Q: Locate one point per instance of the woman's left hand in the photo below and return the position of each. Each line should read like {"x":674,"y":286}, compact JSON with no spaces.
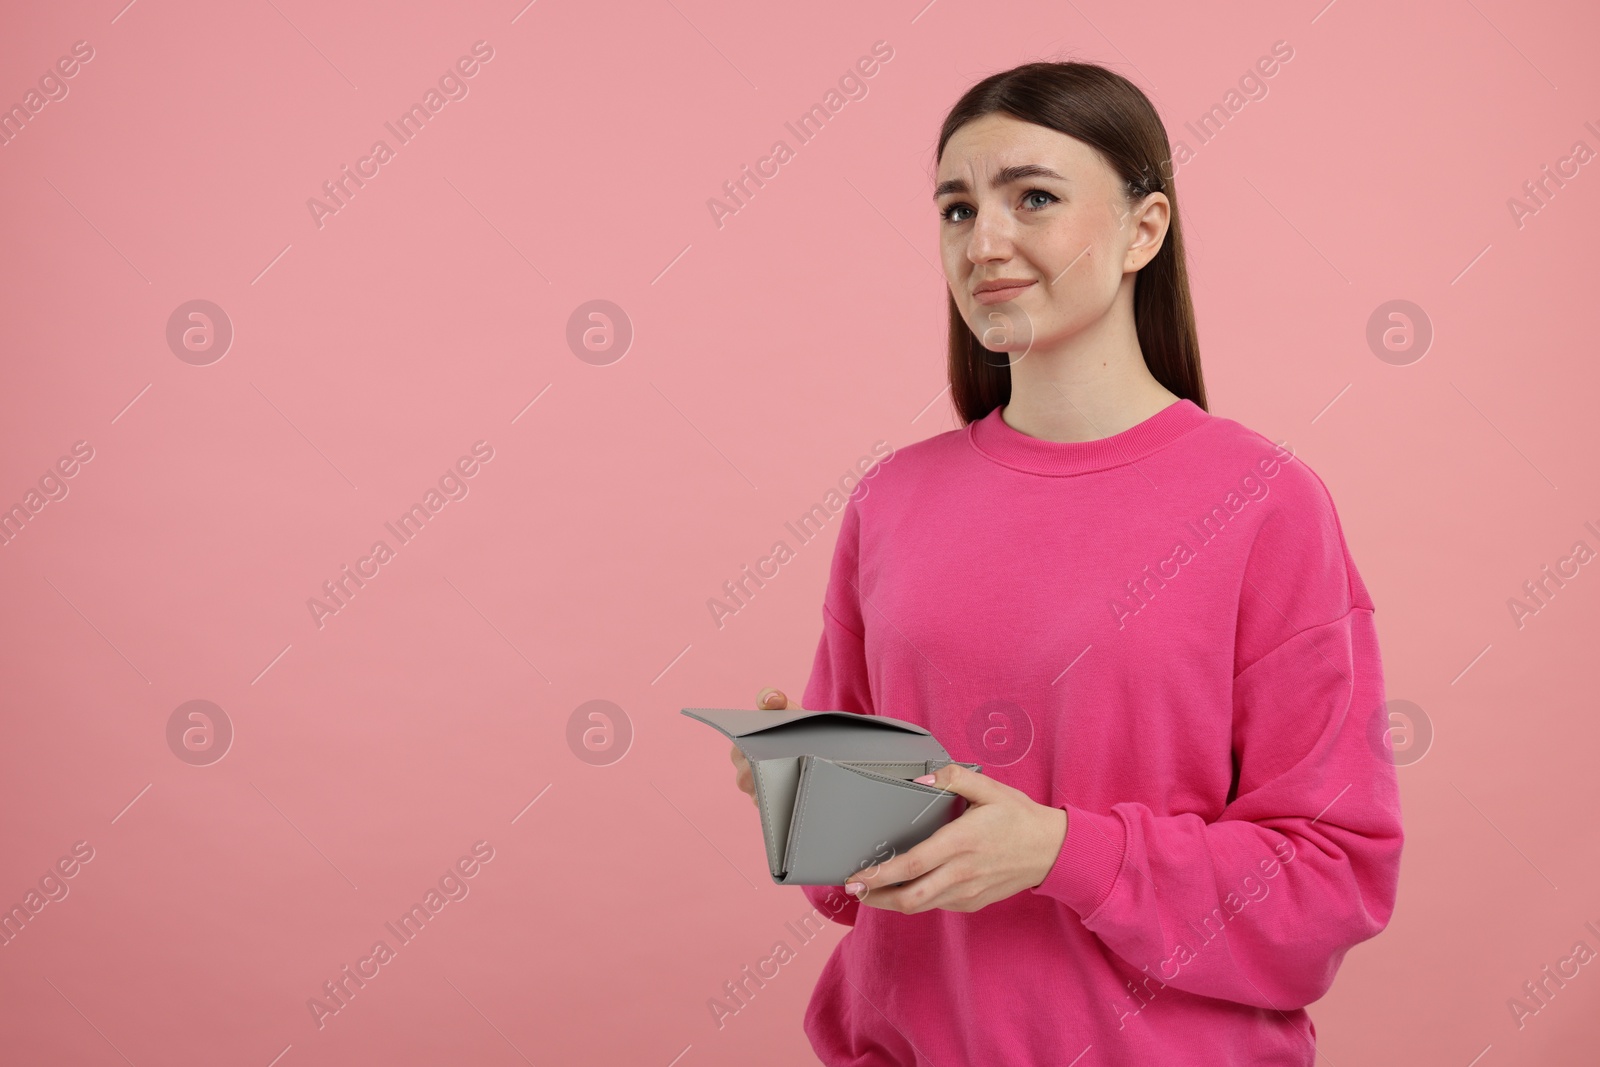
{"x":1003,"y":843}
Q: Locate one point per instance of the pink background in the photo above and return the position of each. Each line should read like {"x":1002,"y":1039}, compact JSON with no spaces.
{"x":768,"y":355}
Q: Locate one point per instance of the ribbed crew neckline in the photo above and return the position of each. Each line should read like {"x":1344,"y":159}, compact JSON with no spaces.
{"x":997,"y":440}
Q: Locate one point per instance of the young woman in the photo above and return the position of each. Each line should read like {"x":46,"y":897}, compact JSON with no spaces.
{"x":1142,"y":619}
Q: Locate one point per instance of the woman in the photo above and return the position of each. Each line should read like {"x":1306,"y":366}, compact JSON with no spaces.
{"x":1142,"y":619}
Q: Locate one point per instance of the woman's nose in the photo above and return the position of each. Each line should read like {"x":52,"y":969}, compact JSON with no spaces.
{"x":991,"y":237}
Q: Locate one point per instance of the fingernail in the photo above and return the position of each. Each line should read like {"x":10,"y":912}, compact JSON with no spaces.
{"x":854,"y":888}
{"x":926,"y":779}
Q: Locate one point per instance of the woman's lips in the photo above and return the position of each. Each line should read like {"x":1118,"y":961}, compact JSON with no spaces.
{"x":1000,"y":296}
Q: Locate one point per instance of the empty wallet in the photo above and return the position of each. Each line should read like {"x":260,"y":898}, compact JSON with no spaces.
{"x":834,"y":788}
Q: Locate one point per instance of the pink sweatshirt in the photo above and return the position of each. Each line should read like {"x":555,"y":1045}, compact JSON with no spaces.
{"x":1163,"y":633}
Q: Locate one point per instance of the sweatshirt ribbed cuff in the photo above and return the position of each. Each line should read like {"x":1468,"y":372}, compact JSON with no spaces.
{"x":1086,"y":869}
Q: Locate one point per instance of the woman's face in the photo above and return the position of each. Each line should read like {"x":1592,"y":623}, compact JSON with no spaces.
{"x":1024,"y":204}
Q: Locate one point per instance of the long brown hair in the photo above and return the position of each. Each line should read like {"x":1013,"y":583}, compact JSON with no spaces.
{"x":1109,"y":113}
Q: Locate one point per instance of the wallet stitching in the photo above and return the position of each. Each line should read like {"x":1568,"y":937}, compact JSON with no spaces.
{"x":854,"y":765}
{"x":792,"y":846}
{"x":766,"y":822}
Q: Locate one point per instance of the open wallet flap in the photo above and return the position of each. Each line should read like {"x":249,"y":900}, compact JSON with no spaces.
{"x":834,"y":788}
{"x":829,"y":734}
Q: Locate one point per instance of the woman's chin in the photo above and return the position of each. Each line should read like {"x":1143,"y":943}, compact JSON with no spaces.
{"x":1003,"y":328}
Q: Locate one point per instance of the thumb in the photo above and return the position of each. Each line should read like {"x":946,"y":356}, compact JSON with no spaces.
{"x":963,"y":781}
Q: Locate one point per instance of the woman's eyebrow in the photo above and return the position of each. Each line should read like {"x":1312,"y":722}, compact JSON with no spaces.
{"x":1004,"y":176}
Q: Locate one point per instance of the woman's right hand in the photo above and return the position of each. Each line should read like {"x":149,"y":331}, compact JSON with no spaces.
{"x":768,"y":699}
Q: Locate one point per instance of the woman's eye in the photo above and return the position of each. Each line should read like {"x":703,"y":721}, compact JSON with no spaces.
{"x":954,"y":213}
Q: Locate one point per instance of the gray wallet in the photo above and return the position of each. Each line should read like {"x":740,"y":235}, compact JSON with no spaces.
{"x":834,"y":788}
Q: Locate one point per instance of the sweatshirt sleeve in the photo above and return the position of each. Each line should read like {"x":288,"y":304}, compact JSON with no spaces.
{"x":1260,"y":906}
{"x":839,"y":680}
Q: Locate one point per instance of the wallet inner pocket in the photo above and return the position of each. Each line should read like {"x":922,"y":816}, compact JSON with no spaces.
{"x":848,"y":811}
{"x":902,"y":770}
